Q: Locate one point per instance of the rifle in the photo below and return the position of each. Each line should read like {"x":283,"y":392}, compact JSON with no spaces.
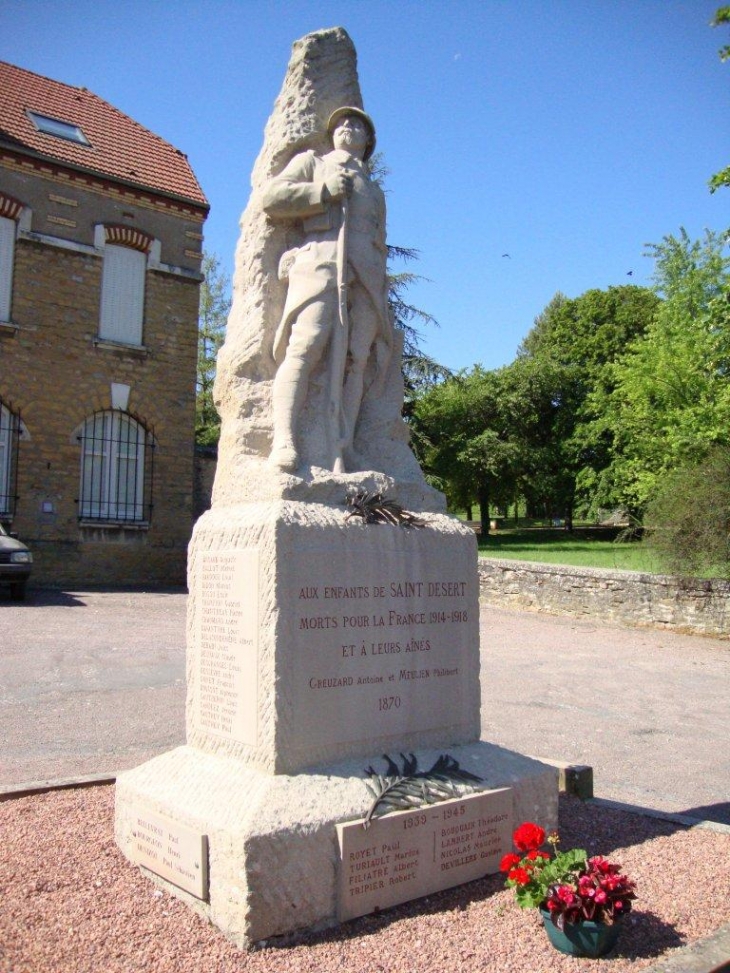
{"x":340,"y":341}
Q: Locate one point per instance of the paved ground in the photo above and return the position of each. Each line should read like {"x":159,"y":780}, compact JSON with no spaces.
{"x":649,"y":710}
{"x":89,"y":682}
{"x":94,"y":682}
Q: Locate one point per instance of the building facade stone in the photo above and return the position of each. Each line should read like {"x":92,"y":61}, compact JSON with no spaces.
{"x":56,"y":371}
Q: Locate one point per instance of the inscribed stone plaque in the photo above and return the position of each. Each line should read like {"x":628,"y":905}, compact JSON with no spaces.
{"x":227,"y":634}
{"x":383,"y":643}
{"x":407,"y":854}
{"x":171,"y":850}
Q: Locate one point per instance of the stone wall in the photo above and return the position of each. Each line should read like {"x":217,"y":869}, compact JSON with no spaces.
{"x":625,"y":597}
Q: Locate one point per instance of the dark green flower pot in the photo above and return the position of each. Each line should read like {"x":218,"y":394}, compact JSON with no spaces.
{"x":590,"y":939}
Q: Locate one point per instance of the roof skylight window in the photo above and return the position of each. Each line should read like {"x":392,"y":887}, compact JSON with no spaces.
{"x":58,"y":128}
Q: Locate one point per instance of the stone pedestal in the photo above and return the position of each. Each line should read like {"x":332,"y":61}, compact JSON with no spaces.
{"x":313,"y":637}
{"x":315,"y":645}
{"x":273,"y":857}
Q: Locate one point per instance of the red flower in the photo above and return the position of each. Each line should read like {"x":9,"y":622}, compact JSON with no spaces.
{"x":528,"y":837}
{"x":586,"y":886}
{"x":565,"y":894}
{"x":509,"y":861}
{"x":519,"y":876}
{"x":599,"y":864}
{"x":571,"y":888}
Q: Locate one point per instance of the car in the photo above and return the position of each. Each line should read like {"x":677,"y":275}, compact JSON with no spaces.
{"x":15,"y":564}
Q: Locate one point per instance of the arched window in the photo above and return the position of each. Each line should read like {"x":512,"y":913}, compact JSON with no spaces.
{"x":9,"y":437}
{"x":116,"y":468}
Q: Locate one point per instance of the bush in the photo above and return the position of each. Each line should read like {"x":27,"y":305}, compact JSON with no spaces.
{"x":688,"y":519}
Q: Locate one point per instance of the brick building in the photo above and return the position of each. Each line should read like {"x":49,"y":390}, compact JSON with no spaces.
{"x":100,"y":253}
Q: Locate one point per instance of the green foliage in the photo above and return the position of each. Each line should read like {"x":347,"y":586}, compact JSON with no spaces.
{"x":562,"y":869}
{"x":721,"y":18}
{"x":688,"y":518}
{"x":670,"y":401}
{"x":578,"y":341}
{"x":441,"y":429}
{"x":419,"y":370}
{"x":492,"y":434}
{"x":609,"y":393}
{"x":721,"y":178}
{"x":590,"y":331}
{"x":539,"y":338}
{"x":212,"y":316}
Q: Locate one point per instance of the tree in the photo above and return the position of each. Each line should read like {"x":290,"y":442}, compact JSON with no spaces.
{"x":539,"y":340}
{"x":576,"y":342}
{"x":670,"y":404}
{"x":419,"y":370}
{"x":722,"y":16}
{"x":688,"y":518}
{"x":444,"y":420}
{"x":489,"y":435}
{"x":212,"y":316}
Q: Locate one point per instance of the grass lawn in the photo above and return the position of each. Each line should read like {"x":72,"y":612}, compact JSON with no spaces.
{"x":583,"y":547}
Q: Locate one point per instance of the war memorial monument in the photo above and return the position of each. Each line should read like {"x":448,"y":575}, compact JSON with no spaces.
{"x":327,"y":655}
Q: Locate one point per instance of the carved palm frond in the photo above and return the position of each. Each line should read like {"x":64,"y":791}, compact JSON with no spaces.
{"x":374,"y":508}
{"x":399,"y":790}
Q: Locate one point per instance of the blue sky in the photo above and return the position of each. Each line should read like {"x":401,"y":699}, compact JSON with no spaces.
{"x":566,"y":133}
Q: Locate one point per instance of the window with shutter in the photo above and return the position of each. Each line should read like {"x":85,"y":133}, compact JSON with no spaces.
{"x":122,"y":295}
{"x":7,"y":251}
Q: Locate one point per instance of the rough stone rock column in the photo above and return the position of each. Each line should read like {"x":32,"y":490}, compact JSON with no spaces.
{"x":321,"y":76}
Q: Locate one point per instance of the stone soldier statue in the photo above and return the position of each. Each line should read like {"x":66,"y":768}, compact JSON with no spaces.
{"x":337,"y":298}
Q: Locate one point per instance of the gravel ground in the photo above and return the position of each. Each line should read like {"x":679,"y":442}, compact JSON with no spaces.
{"x":71,"y":904}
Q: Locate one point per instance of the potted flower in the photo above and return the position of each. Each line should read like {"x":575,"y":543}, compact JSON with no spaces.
{"x":581,"y":899}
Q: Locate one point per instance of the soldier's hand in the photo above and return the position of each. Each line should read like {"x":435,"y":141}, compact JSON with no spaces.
{"x":339,"y":184}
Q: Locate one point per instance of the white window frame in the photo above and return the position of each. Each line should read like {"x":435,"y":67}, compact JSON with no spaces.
{"x":8,"y":229}
{"x":122,"y":295}
{"x":6,"y":456}
{"x":112,"y":468}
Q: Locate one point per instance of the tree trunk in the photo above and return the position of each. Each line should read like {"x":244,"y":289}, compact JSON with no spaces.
{"x":483,"y":498}
{"x":569,"y":518}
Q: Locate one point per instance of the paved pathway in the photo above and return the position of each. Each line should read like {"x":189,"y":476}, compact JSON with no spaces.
{"x":649,"y":710}
{"x":94,"y":682}
{"x":89,"y":682}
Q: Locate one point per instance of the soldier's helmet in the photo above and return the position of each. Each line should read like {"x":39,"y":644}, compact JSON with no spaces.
{"x":339,"y":113}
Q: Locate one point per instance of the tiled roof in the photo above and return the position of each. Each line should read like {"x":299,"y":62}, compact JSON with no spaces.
{"x":119,"y":147}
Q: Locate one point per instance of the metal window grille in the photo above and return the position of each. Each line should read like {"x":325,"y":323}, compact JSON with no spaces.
{"x":9,"y":441}
{"x":117,"y":452}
